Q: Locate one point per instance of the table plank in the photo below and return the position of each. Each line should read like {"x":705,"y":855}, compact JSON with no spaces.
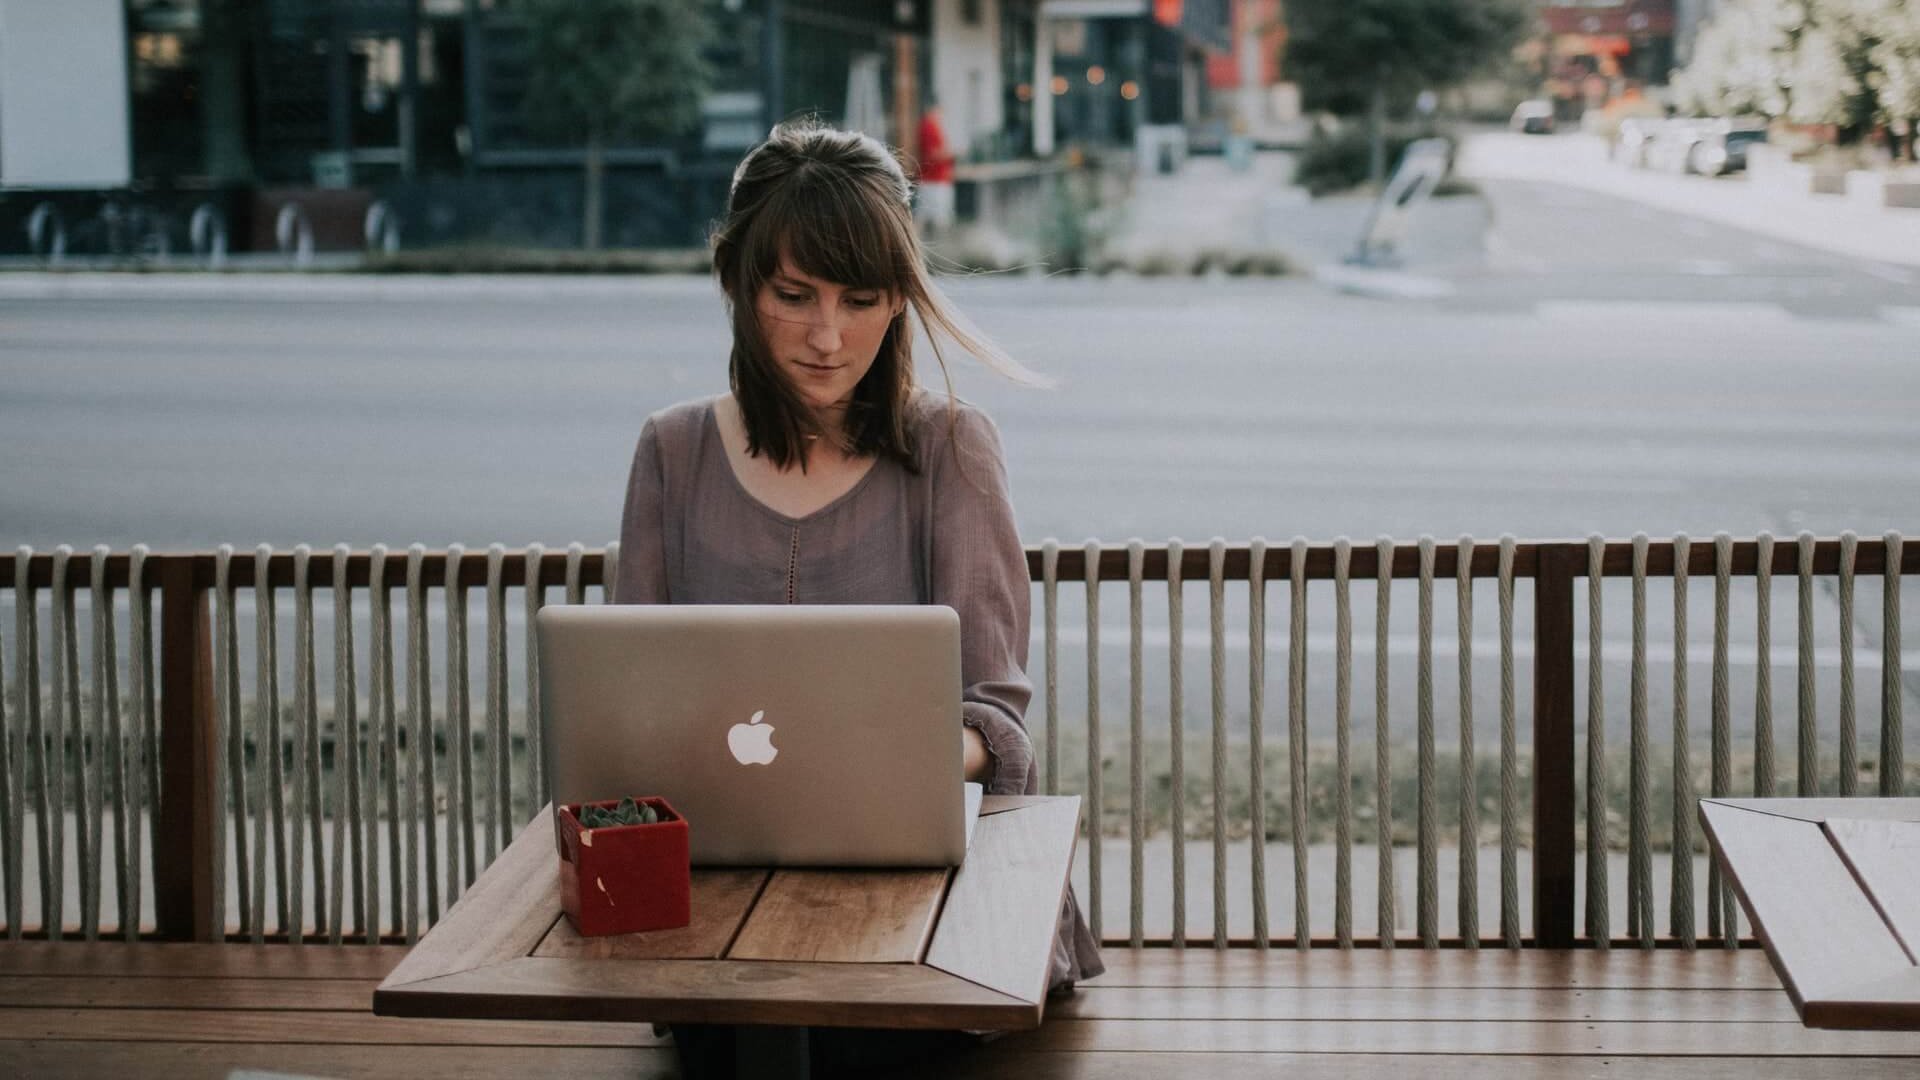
{"x":1004,"y":907}
{"x":843,"y":916}
{"x":502,"y":915}
{"x":1000,"y":804}
{"x":1818,"y":926}
{"x":716,"y":992}
{"x":720,"y":901}
{"x":1885,"y":857}
{"x":1819,"y":810}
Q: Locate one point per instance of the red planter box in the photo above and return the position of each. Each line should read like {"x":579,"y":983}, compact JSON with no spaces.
{"x":623,"y":879}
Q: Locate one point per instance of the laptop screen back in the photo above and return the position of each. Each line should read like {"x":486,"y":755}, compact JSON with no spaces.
{"x":786,"y":735}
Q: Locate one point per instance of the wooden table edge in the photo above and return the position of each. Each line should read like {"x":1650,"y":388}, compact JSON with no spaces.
{"x":1780,"y":969}
{"x":464,"y":995}
{"x":1849,"y":1010}
{"x":1818,"y":809}
{"x":1845,"y":1014}
{"x":1037,"y":993}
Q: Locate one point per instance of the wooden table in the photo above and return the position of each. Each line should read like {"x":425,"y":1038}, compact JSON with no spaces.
{"x":1833,"y":889}
{"x":943,"y":948}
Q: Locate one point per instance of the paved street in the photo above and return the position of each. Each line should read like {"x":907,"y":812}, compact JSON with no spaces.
{"x":1600,"y":366}
{"x":1744,"y":398}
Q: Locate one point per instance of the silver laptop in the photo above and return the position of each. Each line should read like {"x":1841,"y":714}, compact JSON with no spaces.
{"x":786,"y":735}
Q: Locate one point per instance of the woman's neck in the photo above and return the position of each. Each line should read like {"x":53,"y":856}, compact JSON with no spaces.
{"x":832,"y":422}
{"x":823,"y":473}
{"x":831,"y":445}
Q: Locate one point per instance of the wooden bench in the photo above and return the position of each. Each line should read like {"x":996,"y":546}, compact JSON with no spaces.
{"x":200,"y":1010}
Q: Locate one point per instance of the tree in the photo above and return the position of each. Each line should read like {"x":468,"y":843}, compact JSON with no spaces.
{"x":1739,"y":58}
{"x":1896,"y":55}
{"x":1353,"y":56}
{"x":606,"y":71}
{"x":1850,"y":63}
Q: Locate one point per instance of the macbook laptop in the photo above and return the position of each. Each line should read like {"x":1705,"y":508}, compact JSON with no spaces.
{"x":791,"y":735}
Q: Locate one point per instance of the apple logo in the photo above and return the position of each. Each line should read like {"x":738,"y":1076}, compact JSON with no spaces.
{"x":752,"y":742}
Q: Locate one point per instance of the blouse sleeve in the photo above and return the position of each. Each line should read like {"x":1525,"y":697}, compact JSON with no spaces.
{"x":980,"y":570}
{"x":643,"y":566}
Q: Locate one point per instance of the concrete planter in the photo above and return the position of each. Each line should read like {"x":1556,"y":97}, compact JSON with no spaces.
{"x":1879,"y":190}
{"x":1773,"y":167}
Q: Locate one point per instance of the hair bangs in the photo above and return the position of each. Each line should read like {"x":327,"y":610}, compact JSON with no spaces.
{"x":835,"y":231}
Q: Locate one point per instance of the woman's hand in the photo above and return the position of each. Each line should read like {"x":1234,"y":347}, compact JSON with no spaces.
{"x":978,"y":763}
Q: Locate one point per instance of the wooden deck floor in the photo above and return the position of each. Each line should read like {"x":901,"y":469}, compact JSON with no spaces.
{"x":74,"y":1009}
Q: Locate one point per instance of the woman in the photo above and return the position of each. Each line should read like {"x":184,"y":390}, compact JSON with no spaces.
{"x":827,"y":475}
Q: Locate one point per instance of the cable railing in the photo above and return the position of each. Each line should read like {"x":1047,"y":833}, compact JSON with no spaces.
{"x":259,"y":784}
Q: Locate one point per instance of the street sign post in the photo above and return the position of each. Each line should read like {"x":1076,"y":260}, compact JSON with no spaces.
{"x":1421,"y":169}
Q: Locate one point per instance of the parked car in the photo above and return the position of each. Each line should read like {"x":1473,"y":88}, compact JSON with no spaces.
{"x":1722,"y":146}
{"x":1668,"y":144}
{"x":1703,"y":146}
{"x":1533,"y":117}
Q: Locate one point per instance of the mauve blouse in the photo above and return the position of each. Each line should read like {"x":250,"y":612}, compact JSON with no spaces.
{"x":691,"y":534}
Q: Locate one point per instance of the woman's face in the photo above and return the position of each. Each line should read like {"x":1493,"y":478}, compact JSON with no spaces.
{"x":823,"y":336}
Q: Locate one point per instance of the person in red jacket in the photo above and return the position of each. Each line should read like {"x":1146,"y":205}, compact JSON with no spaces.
{"x":933,"y":205}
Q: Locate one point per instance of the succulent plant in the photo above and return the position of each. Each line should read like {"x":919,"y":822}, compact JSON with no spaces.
{"x":627,"y":813}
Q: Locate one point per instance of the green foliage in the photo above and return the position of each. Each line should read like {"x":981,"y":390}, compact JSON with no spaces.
{"x":1341,"y":51}
{"x":1324,"y":781}
{"x":1076,"y":224}
{"x":627,"y":813}
{"x":1337,"y":162}
{"x":615,"y":69}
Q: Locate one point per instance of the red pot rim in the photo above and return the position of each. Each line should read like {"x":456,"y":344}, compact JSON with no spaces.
{"x":658,"y":802}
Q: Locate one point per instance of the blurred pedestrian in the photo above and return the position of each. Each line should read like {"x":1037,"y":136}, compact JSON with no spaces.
{"x":933,"y":205}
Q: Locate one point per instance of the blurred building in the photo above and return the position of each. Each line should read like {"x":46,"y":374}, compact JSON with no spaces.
{"x":1598,"y":51}
{"x":1688,"y":17}
{"x":1129,"y":73}
{"x":244,"y":105}
{"x":1261,"y":103}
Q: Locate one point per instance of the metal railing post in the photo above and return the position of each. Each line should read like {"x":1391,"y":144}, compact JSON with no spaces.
{"x":183,"y":859}
{"x":1553,"y":747}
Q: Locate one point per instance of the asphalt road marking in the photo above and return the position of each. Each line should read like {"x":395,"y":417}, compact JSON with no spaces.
{"x":1382,"y":284}
{"x":1896,"y":274}
{"x":1628,"y":312}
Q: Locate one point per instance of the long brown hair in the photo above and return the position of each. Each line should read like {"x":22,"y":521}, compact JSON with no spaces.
{"x":836,"y":204}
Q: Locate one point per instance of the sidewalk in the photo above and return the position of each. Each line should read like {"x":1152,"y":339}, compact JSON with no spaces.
{"x":1206,"y":208}
{"x":1825,"y":222}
